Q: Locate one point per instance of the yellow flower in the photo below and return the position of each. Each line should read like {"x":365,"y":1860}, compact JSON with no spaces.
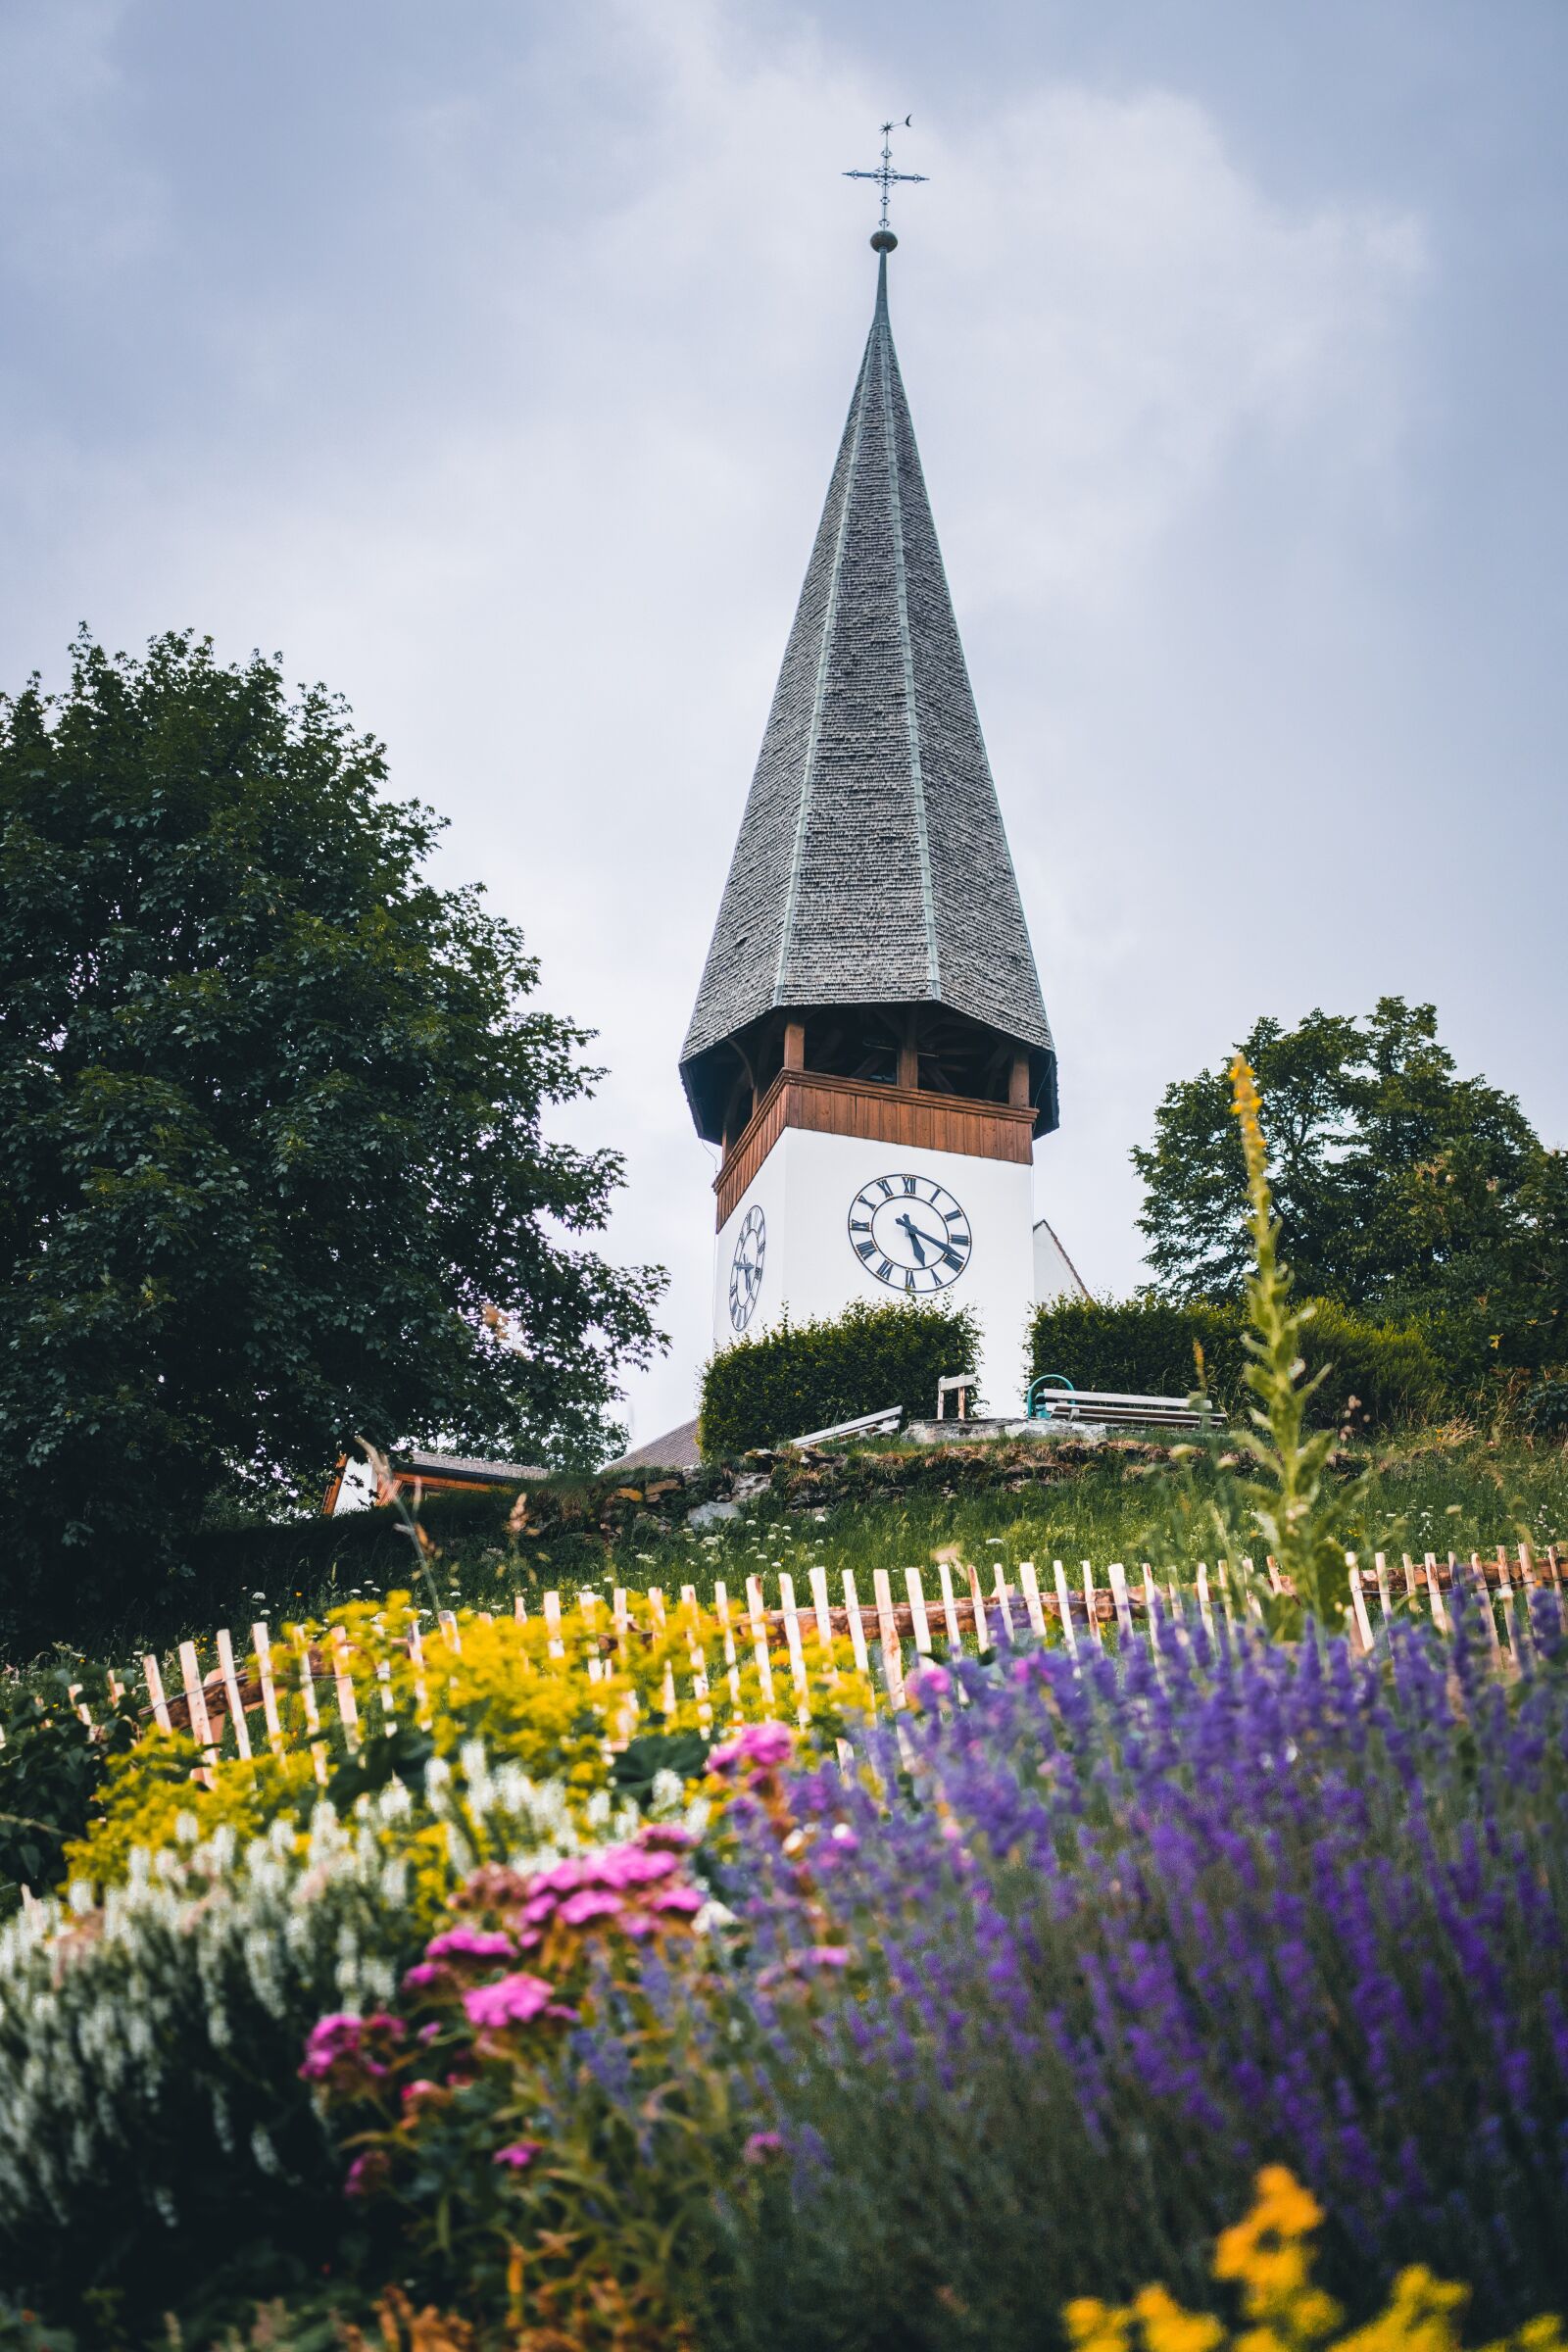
{"x":1266,"y":2255}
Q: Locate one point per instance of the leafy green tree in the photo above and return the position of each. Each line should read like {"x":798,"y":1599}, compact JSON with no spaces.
{"x":1401,"y":1188}
{"x":273,"y":1161}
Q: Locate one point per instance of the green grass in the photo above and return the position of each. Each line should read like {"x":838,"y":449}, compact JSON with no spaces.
{"x":1437,"y":1492}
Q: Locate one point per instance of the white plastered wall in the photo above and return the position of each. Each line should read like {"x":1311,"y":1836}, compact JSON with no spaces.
{"x":804,"y":1188}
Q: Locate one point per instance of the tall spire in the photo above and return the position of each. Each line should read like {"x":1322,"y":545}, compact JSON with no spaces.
{"x":873,"y":866}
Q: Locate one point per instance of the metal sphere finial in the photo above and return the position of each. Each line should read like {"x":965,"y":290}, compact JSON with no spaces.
{"x":882,"y":240}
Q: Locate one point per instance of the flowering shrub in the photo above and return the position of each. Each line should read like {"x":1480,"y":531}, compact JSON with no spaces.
{"x":544,"y":2126}
{"x":1117,"y":1936}
{"x":153,"y":2123}
{"x":556,"y":1719}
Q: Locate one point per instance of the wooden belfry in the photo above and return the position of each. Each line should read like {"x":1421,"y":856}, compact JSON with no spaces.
{"x":870,"y":976}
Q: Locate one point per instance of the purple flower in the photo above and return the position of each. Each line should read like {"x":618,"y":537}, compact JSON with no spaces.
{"x":519,"y":2155}
{"x":761,"y":2146}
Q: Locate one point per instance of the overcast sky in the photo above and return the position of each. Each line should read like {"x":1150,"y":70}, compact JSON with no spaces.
{"x":489,"y":358}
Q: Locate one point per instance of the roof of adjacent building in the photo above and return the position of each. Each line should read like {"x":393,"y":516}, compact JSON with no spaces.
{"x":872,"y":865}
{"x":676,"y":1449}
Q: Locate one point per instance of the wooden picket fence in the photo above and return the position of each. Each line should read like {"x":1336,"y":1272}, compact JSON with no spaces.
{"x":889,"y":1635}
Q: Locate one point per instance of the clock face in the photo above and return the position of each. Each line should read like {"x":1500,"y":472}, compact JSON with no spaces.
{"x":745,"y":1267}
{"x":909,"y":1232}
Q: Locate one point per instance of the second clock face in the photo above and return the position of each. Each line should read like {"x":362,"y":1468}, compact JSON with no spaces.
{"x":745,"y":1267}
{"x":909,"y":1232}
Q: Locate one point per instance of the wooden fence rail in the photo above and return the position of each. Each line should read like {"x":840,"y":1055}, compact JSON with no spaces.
{"x":889,"y":1634}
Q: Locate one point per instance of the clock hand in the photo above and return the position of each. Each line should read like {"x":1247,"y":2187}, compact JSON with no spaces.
{"x":917,"y":1235}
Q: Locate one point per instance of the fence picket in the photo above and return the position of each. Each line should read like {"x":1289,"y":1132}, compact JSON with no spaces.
{"x":852,"y":1604}
{"x":822,"y":1609}
{"x":887,"y":1627}
{"x":656,"y":1610}
{"x":154,"y":1694}
{"x":792,"y":1640}
{"x":231,"y":1692}
{"x":1118,"y":1593}
{"x":1227,"y":1603}
{"x":1505,"y":1595}
{"x":1204,"y":1609}
{"x":1092,"y":1607}
{"x":697,"y":1652}
{"x":977,"y":1601}
{"x":949,"y":1612}
{"x":1555,"y":1575}
{"x":1178,"y":1615}
{"x":919,"y":1623}
{"x":348,"y":1711}
{"x":1034,"y":1606}
{"x":1381,"y":1565}
{"x":1005,"y":1602}
{"x":1409,"y":1582}
{"x":262,"y":1647}
{"x":732,"y":1670}
{"x":1434,"y":1592}
{"x":313,"y":1719}
{"x":1478,"y":1577}
{"x":190,"y":1675}
{"x":1364,"y":1623}
{"x":1069,"y":1632}
{"x":757,"y":1613}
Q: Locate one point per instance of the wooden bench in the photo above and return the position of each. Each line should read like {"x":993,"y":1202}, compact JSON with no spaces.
{"x":1054,"y":1397}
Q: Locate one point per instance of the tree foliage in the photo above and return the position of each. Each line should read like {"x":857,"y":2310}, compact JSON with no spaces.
{"x":1400,"y":1187}
{"x":273,"y":1161}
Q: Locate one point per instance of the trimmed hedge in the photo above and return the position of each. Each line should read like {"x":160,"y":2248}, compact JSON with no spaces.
{"x":1144,"y":1346}
{"x":810,"y":1375}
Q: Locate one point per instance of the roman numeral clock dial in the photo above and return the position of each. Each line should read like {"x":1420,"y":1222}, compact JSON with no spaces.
{"x":909,"y":1232}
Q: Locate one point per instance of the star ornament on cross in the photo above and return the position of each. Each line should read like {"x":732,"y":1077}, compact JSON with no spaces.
{"x":887,"y":179}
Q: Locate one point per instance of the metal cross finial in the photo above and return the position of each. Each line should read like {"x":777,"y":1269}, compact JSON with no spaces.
{"x":885,"y":176}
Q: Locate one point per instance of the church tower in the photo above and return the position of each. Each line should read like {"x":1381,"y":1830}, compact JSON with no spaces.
{"x":870,"y":1046}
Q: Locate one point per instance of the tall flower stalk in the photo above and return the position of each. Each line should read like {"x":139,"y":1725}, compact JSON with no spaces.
{"x":1284,"y":1507}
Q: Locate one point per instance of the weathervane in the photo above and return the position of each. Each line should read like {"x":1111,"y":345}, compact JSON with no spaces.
{"x":886,"y":178}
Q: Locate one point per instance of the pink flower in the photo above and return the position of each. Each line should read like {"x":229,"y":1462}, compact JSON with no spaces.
{"x":331,"y":2039}
{"x":337,"y":2044}
{"x":663,"y":1833}
{"x":764,"y":1745}
{"x":471,"y":1943}
{"x":761,"y":2146}
{"x":422,"y":1974}
{"x":635,"y":1866}
{"x":930,"y":1683}
{"x":828,"y":1955}
{"x":521,"y":2153}
{"x":562,"y":1877}
{"x":514,"y":2000}
{"x":366,"y":2173}
{"x":423,"y":2089}
{"x":590,"y":1902}
{"x":675,"y":1898}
